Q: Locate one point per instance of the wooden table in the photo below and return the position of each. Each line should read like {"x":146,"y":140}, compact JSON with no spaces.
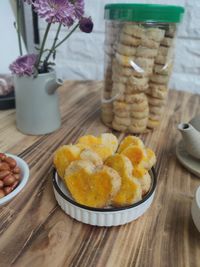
{"x":34,"y":231}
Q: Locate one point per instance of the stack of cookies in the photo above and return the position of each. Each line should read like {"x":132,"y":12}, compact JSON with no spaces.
{"x":139,"y":69}
{"x":157,"y":92}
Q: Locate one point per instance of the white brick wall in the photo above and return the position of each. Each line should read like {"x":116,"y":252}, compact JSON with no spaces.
{"x":81,"y":57}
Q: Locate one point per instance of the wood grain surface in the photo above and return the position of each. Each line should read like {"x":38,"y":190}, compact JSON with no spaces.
{"x":35,"y":232}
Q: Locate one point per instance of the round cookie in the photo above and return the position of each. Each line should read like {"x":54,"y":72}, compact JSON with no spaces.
{"x":135,"y":98}
{"x":146,"y":42}
{"x":167,"y":41}
{"x":156,"y":110}
{"x":153,"y":91}
{"x":124,"y":60}
{"x":161,"y":79}
{"x":107,"y":114}
{"x":122,"y":114}
{"x":163,"y":69}
{"x":119,"y":127}
{"x":153,"y":123}
{"x":139,"y":122}
{"x":120,"y":70}
{"x":135,"y":90}
{"x":126,"y":50}
{"x":155,"y":101}
{"x":171,"y":31}
{"x":161,"y":87}
{"x":154,"y":117}
{"x":129,"y":40}
{"x":122,"y":121}
{"x":121,"y":106}
{"x":142,"y":74}
{"x":137,"y":82}
{"x":139,"y":107}
{"x":144,"y":64}
{"x":136,"y":130}
{"x":134,"y":30}
{"x":140,"y":114}
{"x":155,"y":34}
{"x":107,"y":118}
{"x":163,"y":50}
{"x":164,"y":59}
{"x":160,"y":59}
{"x":146,"y":52}
{"x":107,"y":107}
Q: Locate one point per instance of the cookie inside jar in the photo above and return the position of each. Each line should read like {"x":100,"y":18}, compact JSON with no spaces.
{"x":139,"y":45}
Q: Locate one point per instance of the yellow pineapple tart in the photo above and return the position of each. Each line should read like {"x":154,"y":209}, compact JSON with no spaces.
{"x":89,"y":140}
{"x":130,"y":191}
{"x":143,"y":177}
{"x":110,"y":140}
{"x":88,"y":154}
{"x":149,"y":160}
{"x":130,"y":140}
{"x":104,"y":145}
{"x":92,"y":186}
{"x":64,"y":156}
{"x":136,"y":154}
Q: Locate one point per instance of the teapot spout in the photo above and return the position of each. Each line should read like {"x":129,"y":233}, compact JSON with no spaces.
{"x":183,"y":127}
{"x":52,"y":85}
{"x":191,"y":139}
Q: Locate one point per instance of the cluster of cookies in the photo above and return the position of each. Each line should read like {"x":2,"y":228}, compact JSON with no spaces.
{"x":99,"y":172}
{"x":138,"y":65}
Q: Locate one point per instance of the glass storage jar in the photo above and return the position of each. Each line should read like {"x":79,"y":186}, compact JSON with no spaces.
{"x":138,"y":63}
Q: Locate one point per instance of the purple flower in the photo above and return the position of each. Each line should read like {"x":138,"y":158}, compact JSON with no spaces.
{"x":78,"y":6}
{"x":24,"y":65}
{"x":86,"y":25}
{"x":61,"y":11}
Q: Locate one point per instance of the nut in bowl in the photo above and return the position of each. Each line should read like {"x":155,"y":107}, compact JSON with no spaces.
{"x":14,"y":174}
{"x":101,"y":182}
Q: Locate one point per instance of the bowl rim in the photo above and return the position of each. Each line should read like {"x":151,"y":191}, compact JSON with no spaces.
{"x":112,"y":209}
{"x":22,"y":183}
{"x":197,"y":197}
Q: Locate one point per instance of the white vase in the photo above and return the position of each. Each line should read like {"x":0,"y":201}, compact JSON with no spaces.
{"x":37,"y":105}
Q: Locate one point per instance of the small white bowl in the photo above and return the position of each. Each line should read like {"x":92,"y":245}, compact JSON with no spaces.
{"x":196,"y":209}
{"x":101,"y":217}
{"x":24,"y":178}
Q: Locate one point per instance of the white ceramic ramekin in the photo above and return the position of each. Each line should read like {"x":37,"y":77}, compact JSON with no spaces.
{"x":24,"y":179}
{"x":196,"y":209}
{"x":101,"y":217}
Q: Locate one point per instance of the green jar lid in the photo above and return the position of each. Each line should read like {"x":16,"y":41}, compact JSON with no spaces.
{"x":144,"y":13}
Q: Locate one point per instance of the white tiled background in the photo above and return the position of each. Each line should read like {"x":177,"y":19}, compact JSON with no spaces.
{"x":81,"y":57}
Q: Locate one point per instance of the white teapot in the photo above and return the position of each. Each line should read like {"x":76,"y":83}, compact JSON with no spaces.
{"x":191,"y":136}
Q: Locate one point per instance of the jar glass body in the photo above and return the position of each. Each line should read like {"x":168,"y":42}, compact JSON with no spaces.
{"x":138,"y":65}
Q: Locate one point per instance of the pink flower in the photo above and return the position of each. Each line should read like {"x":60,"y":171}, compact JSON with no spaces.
{"x":24,"y":65}
{"x":61,"y":11}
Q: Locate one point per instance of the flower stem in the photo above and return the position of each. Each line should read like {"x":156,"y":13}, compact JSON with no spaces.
{"x":53,"y":45}
{"x":43,"y":44}
{"x":19,"y":26}
{"x":63,"y":40}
